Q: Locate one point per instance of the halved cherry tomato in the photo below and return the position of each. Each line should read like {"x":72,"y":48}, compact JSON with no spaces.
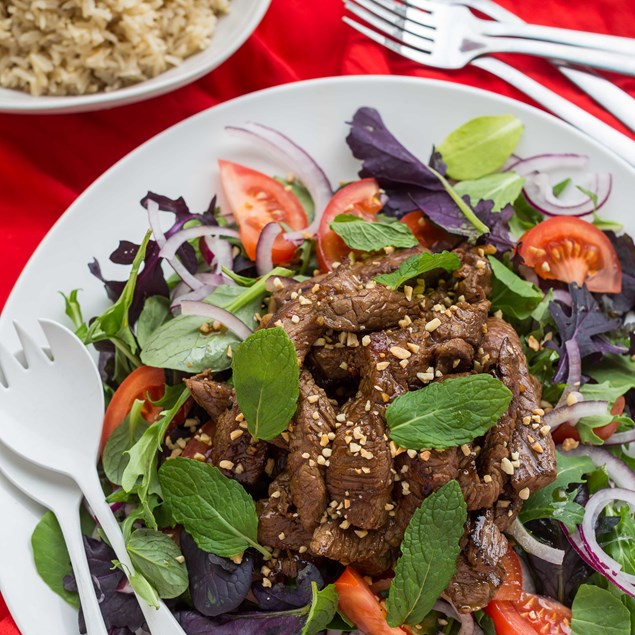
{"x":361,"y":606}
{"x":531,"y":615}
{"x":570,"y":249}
{"x":566,"y":431}
{"x":427,"y":233}
{"x":512,"y":586}
{"x":256,"y":200}
{"x":360,"y":198}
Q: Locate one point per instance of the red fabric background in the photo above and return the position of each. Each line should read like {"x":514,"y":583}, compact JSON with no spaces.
{"x":47,"y":161}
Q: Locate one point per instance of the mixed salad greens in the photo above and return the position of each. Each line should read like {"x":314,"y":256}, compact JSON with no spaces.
{"x":563,"y":276}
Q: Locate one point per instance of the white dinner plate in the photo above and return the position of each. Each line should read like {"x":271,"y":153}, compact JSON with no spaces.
{"x":230,"y":34}
{"x":182,"y":162}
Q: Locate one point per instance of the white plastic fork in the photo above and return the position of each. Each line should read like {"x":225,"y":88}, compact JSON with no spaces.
{"x":450,"y":36}
{"x":52,"y":410}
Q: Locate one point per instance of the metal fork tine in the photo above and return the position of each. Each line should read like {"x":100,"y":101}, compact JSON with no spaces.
{"x":409,"y":12}
{"x":390,"y":29}
{"x":33,"y":353}
{"x":424,"y":5}
{"x":10,"y":367}
{"x":394,"y":14}
{"x":399,"y":48}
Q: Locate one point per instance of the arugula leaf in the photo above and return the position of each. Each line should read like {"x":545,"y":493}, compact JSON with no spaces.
{"x":502,"y":188}
{"x":598,"y":612}
{"x":156,"y":557}
{"x":418,"y":265}
{"x":215,"y":510}
{"x":74,"y":311}
{"x":559,"y":188}
{"x":605,"y":224}
{"x":554,"y":501}
{"x":617,"y":370}
{"x":619,"y":543}
{"x":51,"y":557}
{"x":525,"y":216}
{"x":514,"y":296}
{"x":449,"y":413}
{"x":266,"y":377}
{"x":429,"y":551}
{"x":322,"y":609}
{"x":364,"y":235}
{"x":480,"y":146}
{"x":155,"y":312}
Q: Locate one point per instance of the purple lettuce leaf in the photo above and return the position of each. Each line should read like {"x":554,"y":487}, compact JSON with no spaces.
{"x":281,"y":597}
{"x":442,"y":210}
{"x":622,"y":303}
{"x":194,"y":623}
{"x":585,"y":323}
{"x":498,"y":223}
{"x":119,"y":608}
{"x":217,"y":585}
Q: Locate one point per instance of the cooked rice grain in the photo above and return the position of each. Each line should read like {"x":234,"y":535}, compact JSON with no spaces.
{"x":76,"y":47}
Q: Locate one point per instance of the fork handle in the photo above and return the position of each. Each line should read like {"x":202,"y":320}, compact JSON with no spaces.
{"x":583,"y":39}
{"x":615,"y":62}
{"x":569,"y":112}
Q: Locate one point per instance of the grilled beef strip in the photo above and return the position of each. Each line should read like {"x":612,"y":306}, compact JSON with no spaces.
{"x":213,"y":396}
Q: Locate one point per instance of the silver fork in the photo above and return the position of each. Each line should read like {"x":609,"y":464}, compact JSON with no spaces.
{"x":566,"y":110}
{"x":450,"y":36}
{"x":615,"y":100}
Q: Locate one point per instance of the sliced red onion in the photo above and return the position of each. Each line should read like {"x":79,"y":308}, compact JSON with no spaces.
{"x":220,"y":251}
{"x":264,"y":258}
{"x":547,"y":163}
{"x":618,"y":471}
{"x":533,"y":546}
{"x":621,"y":437}
{"x":572,"y":414}
{"x":182,"y":291}
{"x":562,"y":296}
{"x":468,"y":625}
{"x":169,"y":249}
{"x":575,"y":372}
{"x":213,"y":312}
{"x":296,"y":161}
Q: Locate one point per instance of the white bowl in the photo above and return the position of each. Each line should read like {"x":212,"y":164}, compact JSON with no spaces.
{"x":231,"y":32}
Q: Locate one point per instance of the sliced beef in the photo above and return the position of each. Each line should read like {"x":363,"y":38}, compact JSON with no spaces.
{"x":474,"y":277}
{"x":215,"y":397}
{"x":199,"y":447}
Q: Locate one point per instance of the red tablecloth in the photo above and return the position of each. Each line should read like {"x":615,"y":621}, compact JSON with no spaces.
{"x":46,"y":161}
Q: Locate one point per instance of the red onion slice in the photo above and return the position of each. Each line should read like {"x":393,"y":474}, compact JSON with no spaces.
{"x":621,"y":437}
{"x":213,"y":312}
{"x":618,"y":471}
{"x":572,"y":414}
{"x":468,"y":625}
{"x":169,"y":249}
{"x":220,"y":251}
{"x":547,"y":163}
{"x":297,"y":161}
{"x":574,"y":376}
{"x":533,"y":546}
{"x":264,"y":258}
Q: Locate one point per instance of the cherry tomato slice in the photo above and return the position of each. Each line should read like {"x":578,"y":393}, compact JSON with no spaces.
{"x":359,"y":604}
{"x":512,"y":587}
{"x":570,"y":249}
{"x":567,"y":431}
{"x":531,"y":615}
{"x":256,"y":200}
{"x":427,"y":233}
{"x":360,"y":198}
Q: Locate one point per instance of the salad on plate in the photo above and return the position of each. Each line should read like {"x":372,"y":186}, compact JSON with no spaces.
{"x":398,"y":405}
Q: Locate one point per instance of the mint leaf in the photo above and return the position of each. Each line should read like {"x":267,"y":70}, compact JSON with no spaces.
{"x":322,"y":610}
{"x":363,"y":235}
{"x":154,"y":555}
{"x":502,"y":188}
{"x":449,"y":413}
{"x":418,"y":265}
{"x":215,"y":510}
{"x":554,"y":501}
{"x":155,"y":312}
{"x":51,"y":557}
{"x":480,"y":146}
{"x":267,"y":381}
{"x":429,"y":551}
{"x":598,"y":612}
{"x":512,"y":295}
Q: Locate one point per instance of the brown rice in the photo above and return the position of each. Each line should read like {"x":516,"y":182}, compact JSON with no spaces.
{"x":75,"y":47}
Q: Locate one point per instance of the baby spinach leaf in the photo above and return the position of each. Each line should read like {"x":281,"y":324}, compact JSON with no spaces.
{"x":598,"y":612}
{"x":157,"y":557}
{"x":619,"y":543}
{"x":215,"y":510}
{"x":429,"y":551}
{"x":480,"y":146}
{"x":502,"y":188}
{"x":302,"y":194}
{"x":449,"y":413}
{"x":514,"y":296}
{"x":418,"y":265}
{"x":322,"y":609}
{"x":155,"y":312}
{"x":618,"y":370}
{"x":361,"y":234}
{"x":267,"y":382}
{"x":51,"y":557}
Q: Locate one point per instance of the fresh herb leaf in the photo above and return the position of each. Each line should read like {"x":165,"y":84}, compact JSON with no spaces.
{"x":267,"y":382}
{"x":598,"y":612}
{"x":512,"y":295}
{"x":555,"y":500}
{"x":215,"y":510}
{"x":74,"y":311}
{"x":619,"y":543}
{"x":322,"y":609}
{"x":593,"y":197}
{"x":429,"y":551}
{"x":449,"y":413}
{"x":155,"y":556}
{"x":559,"y":188}
{"x":525,"y":216}
{"x":418,"y":265}
{"x":618,"y":370}
{"x":155,"y":312}
{"x":502,"y":188}
{"x":141,"y":586}
{"x":51,"y":557}
{"x":605,"y":224}
{"x":302,"y":194}
{"x":480,"y":146}
{"x":363,"y":235}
